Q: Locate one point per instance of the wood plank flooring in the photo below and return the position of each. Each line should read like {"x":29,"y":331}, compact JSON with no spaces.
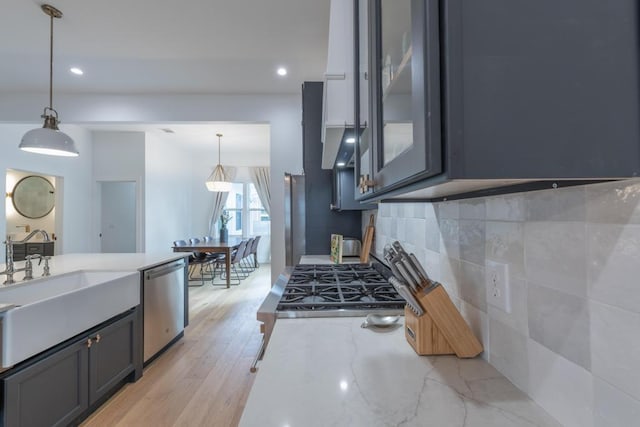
{"x":203,"y":379}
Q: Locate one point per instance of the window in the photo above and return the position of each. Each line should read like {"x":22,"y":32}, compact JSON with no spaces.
{"x":248,"y":215}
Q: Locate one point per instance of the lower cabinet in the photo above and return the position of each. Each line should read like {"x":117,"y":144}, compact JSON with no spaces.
{"x":61,"y":388}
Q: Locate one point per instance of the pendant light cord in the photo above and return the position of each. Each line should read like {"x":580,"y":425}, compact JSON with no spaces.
{"x":219,"y":135}
{"x":51,"y":64}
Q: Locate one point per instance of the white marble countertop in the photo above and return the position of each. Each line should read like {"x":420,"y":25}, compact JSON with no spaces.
{"x":325,"y":259}
{"x":61,"y":264}
{"x":332,"y":372}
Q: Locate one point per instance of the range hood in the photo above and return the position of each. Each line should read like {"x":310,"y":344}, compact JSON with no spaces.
{"x":338,"y":96}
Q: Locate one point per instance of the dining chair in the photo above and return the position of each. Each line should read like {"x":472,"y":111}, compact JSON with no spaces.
{"x":254,"y":251}
{"x":236,"y":268}
{"x":195,"y":259}
{"x":244,"y":263}
{"x":209,"y":258}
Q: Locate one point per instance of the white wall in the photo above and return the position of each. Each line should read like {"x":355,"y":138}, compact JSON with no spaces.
{"x":168,"y":196}
{"x":573,"y":255}
{"x":118,"y":156}
{"x":76,"y":191}
{"x":282,"y":112}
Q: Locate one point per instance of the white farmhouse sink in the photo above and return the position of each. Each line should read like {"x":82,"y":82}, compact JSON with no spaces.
{"x":50,"y":310}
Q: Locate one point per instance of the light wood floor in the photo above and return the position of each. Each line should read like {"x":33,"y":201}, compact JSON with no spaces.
{"x":203,"y":379}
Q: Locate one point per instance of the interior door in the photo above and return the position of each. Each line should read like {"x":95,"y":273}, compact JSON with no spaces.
{"x":118,"y":217}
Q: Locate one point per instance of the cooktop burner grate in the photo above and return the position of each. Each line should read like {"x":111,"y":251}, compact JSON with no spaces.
{"x":338,"y":287}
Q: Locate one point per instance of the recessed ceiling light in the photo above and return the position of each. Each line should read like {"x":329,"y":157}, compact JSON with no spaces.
{"x":282,"y":71}
{"x":340,"y":164}
{"x":350,"y":140}
{"x":77,"y":71}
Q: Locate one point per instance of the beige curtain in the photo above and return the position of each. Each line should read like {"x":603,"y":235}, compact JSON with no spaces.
{"x":219,"y":200}
{"x":262,"y":181}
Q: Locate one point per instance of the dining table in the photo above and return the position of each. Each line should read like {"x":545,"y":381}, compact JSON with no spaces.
{"x":215,"y":246}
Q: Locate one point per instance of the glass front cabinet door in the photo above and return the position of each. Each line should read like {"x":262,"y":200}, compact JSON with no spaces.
{"x":398,"y":93}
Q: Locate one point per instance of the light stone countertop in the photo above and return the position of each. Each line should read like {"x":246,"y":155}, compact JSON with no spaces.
{"x":325,"y":259}
{"x":61,"y":264}
{"x":331,"y":372}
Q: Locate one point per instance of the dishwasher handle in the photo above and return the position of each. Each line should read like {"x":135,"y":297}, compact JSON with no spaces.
{"x":164,"y":270}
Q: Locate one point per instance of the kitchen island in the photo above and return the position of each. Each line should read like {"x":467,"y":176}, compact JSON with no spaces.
{"x":70,"y":340}
{"x":61,"y":264}
{"x":330,"y":371}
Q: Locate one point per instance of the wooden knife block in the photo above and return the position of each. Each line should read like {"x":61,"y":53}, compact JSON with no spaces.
{"x":441,"y":329}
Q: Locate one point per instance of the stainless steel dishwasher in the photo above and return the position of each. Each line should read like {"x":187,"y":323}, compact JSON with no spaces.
{"x":164,"y":305}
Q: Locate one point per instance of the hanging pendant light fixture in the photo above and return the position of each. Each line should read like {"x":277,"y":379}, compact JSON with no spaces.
{"x":49,"y":139}
{"x":217,"y":181}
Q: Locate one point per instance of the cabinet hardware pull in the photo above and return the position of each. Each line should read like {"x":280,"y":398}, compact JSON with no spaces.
{"x":97,"y":339}
{"x":365,"y":184}
{"x":89,"y":341}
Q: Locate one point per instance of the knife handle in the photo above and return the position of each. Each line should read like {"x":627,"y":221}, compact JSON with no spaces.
{"x":408,"y":265}
{"x":405,"y":275}
{"x":421,"y":271}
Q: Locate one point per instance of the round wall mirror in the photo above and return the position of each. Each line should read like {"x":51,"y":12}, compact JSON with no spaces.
{"x":33,"y":197}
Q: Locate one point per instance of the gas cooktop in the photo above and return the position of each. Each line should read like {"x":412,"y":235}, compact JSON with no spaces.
{"x":338,"y":290}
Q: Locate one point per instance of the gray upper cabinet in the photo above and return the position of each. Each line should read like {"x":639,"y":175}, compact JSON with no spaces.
{"x":455,"y":96}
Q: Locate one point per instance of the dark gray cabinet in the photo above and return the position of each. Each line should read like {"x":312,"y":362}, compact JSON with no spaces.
{"x":112,"y":356}
{"x":65,"y":384}
{"x":344,"y":192}
{"x":52,"y":392}
{"x":456,"y":96}
{"x":21,"y":250}
{"x":320,"y":221}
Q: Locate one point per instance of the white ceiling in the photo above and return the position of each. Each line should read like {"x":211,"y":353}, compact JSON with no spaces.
{"x":168,"y":47}
{"x":238,"y":141}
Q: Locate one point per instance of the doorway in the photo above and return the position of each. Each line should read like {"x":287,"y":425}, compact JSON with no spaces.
{"x":118,"y":216}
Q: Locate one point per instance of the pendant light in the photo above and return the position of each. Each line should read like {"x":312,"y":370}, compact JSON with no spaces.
{"x":49,"y":139}
{"x":217,"y":181}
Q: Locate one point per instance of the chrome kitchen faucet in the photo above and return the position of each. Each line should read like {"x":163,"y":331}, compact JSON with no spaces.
{"x":28,"y":268}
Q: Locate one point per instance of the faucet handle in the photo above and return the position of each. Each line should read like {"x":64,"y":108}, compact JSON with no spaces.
{"x":28,"y":267}
{"x":45,"y":271}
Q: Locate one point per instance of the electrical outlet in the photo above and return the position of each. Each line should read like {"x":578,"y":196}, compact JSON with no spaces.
{"x":497,"y":282}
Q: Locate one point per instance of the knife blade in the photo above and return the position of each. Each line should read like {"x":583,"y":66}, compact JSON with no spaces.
{"x":405,"y":293}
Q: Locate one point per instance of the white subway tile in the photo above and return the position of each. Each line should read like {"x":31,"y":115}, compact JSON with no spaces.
{"x":384,"y":209}
{"x":615,"y":347}
{"x":510,"y":207}
{"x":472,"y":209}
{"x":518,"y":318}
{"x":555,"y":255}
{"x":472,"y":241}
{"x":431,"y":234}
{"x":508,"y":353}
{"x":505,"y":244}
{"x":615,"y":202}
{"x":449,"y":237}
{"x":478,"y":321}
{"x":472,"y":287}
{"x":450,"y":274}
{"x":613,"y":407}
{"x":560,"y":322}
{"x":450,"y":210}
{"x":563,"y":204}
{"x":562,"y":388}
{"x":614,"y":265}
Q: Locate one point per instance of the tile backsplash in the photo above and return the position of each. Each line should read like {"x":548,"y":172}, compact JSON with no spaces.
{"x":572,"y":338}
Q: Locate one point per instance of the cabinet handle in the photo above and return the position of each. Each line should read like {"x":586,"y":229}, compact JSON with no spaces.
{"x":93,"y":340}
{"x":365,"y":184}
